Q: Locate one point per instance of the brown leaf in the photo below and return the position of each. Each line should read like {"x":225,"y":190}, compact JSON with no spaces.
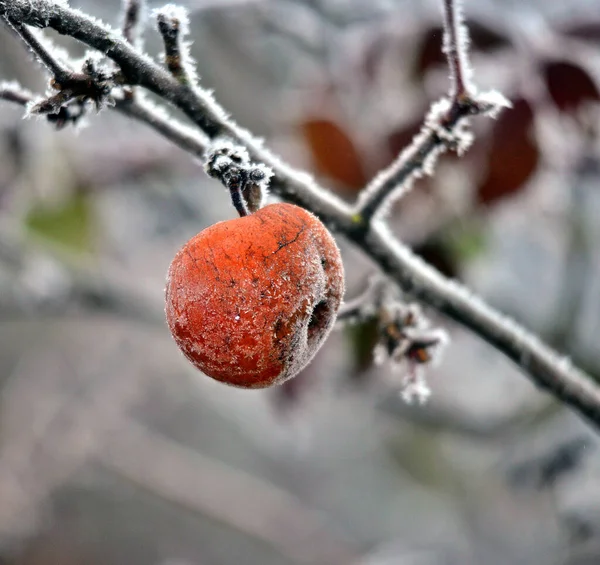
{"x":334,"y":153}
{"x":513,"y":156}
{"x":569,"y":84}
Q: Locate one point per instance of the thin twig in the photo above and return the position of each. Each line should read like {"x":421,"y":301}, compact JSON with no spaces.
{"x":443,"y":130}
{"x":172,"y":25}
{"x":440,"y":132}
{"x":546,"y":368}
{"x":182,"y":135}
{"x":141,"y":109}
{"x":455,"y":37}
{"x":14,"y":92}
{"x":58,"y":71}
{"x":131,"y":28}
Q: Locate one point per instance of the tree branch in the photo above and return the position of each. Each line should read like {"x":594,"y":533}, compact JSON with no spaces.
{"x":182,"y":135}
{"x":173,"y":24}
{"x":455,"y":49}
{"x":205,"y":485}
{"x":140,"y":109}
{"x":12,"y":91}
{"x":547,"y":369}
{"x":42,"y":52}
{"x":444,"y":128}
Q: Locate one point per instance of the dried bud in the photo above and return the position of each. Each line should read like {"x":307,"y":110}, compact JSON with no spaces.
{"x":405,"y":338}
{"x":248,"y":182}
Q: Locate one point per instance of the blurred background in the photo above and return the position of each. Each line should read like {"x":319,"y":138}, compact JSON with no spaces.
{"x":113,"y":450}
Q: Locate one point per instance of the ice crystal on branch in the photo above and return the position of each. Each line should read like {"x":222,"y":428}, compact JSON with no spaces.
{"x":491,"y":103}
{"x":455,"y":137}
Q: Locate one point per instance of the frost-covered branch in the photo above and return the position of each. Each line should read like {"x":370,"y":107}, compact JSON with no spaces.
{"x":141,"y":109}
{"x":73,"y":90}
{"x":41,"y":50}
{"x":173,"y":26}
{"x":445,"y":127}
{"x":456,"y":38}
{"x":182,"y":135}
{"x":546,"y":368}
{"x":12,"y":91}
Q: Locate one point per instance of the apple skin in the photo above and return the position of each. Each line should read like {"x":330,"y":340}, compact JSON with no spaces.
{"x":249,"y":301}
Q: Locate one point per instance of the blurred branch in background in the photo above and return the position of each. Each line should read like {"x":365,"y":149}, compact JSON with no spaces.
{"x":40,"y":283}
{"x":244,"y":502}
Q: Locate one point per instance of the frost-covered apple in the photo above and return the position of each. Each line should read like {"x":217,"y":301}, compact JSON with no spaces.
{"x":249,"y":301}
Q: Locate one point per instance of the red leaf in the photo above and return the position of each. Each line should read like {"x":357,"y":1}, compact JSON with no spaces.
{"x":569,"y":84}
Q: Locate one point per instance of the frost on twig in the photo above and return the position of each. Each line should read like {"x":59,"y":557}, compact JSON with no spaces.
{"x":67,"y":114}
{"x":173,"y":25}
{"x":12,"y":91}
{"x":48,"y":55}
{"x":70,"y":92}
{"x":405,"y":339}
{"x":131,"y":28}
{"x":436,"y":136}
{"x":93,"y":84}
{"x":68,"y":101}
{"x":445,"y":128}
{"x":246,"y":181}
{"x":455,"y":47}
